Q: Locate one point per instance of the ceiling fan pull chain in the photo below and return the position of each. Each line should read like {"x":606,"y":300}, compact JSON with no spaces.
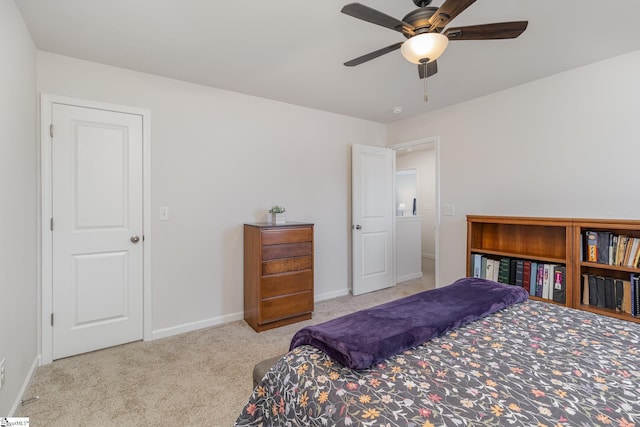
{"x":426,"y":95}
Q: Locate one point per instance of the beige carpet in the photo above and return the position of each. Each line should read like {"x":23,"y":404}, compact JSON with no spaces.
{"x":201,"y":378}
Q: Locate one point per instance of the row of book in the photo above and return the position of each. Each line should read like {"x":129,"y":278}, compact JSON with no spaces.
{"x":615,"y":294}
{"x":544,"y":280}
{"x":604,"y":247}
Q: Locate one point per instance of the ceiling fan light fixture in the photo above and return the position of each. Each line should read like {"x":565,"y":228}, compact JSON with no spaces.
{"x":424,"y":46}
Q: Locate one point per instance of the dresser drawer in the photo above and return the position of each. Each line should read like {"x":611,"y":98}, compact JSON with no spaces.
{"x":287,"y":235}
{"x":286,"y":250}
{"x":286,"y":306}
{"x":284,"y":284}
{"x":286,"y":265}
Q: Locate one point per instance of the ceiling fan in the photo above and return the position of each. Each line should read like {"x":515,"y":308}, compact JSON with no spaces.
{"x":424,"y":29}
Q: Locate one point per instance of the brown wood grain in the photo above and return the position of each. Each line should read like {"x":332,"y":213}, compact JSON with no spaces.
{"x":286,"y":306}
{"x":287,"y":235}
{"x":286,"y":250}
{"x":288,"y":283}
{"x":286,"y":264}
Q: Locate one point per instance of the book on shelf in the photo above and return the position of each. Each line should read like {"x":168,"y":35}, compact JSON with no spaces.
{"x":526,"y":275}
{"x":492,"y":269}
{"x":559,"y":284}
{"x":627,"y":252}
{"x":603,"y":247}
{"x":626,"y":296}
{"x":636,"y":257}
{"x":534,"y":278}
{"x":600,"y":292}
{"x":504,"y":270}
{"x":592,"y":246}
{"x":488,"y":274}
{"x":547,"y":282}
{"x":622,"y":246}
{"x":483,"y":267}
{"x":496,"y":269}
{"x":613,"y":248}
{"x":512,"y":271}
{"x":609,"y":293}
{"x":584,"y":288}
{"x":619,"y":292}
{"x":519,"y":276}
{"x":630,"y":257}
{"x":476,"y":265}
{"x":540,"y":280}
{"x":593,"y":290}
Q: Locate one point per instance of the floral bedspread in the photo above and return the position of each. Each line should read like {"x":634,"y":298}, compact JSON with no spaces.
{"x":532,"y":364}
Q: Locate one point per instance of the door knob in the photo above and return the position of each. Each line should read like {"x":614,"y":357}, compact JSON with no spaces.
{"x":135,"y":239}
{"x":358,"y":227}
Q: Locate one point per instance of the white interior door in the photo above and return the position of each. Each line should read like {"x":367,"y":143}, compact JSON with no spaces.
{"x":97,"y":242}
{"x":373,"y":214}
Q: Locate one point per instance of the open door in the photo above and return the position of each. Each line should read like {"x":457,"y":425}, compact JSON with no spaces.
{"x":372,"y":220}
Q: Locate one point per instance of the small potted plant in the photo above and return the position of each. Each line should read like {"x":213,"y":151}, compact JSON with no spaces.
{"x":277,"y":214}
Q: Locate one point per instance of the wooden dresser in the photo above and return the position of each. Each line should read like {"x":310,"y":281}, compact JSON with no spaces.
{"x":278,"y":274}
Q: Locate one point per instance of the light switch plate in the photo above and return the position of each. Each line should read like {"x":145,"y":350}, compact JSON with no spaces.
{"x":164,"y":214}
{"x":449,"y":210}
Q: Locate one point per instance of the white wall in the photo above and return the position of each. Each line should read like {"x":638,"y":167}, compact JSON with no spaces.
{"x":564,"y":146}
{"x":424,"y":161}
{"x":220,"y":159}
{"x":18,"y":195}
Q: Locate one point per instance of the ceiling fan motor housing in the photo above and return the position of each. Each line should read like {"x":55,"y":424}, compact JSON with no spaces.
{"x":419,"y":18}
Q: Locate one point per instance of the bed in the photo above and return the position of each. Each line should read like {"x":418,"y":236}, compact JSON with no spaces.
{"x":530,"y":363}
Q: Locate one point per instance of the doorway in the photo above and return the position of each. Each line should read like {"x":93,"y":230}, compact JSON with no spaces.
{"x":96,"y":289}
{"x":418,"y":161}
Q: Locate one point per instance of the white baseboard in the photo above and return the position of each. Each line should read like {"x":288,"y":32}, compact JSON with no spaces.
{"x":194,"y":326}
{"x":25,"y":385}
{"x":216,"y":321}
{"x":331,"y":295}
{"x":408,"y":277}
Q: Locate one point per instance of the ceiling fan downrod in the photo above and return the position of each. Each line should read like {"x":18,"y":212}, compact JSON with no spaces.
{"x":422,"y":3}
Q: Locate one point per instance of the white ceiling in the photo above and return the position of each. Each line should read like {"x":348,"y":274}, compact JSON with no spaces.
{"x":293,"y":50}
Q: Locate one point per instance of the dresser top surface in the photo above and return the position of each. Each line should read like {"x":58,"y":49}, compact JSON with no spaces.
{"x":287,"y":224}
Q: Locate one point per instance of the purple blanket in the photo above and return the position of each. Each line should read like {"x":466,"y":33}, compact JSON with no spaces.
{"x":360,"y":339}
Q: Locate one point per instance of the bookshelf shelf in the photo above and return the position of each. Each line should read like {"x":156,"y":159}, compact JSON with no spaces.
{"x":609,"y":312}
{"x":555,"y":241}
{"x":604,"y":267}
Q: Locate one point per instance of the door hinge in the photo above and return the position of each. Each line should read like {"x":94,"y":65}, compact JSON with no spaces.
{"x":51,"y":319}
{"x":51,"y":130}
{"x":51,"y":224}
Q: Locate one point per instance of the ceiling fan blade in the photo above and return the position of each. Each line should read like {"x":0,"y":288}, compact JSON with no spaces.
{"x":432,"y":68}
{"x":373,"y":16}
{"x":449,"y":10}
{"x":500,"y":30}
{"x":372,"y":55}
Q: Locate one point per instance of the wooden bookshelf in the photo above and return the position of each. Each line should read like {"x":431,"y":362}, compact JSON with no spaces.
{"x":551,"y":240}
{"x":548,"y":240}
